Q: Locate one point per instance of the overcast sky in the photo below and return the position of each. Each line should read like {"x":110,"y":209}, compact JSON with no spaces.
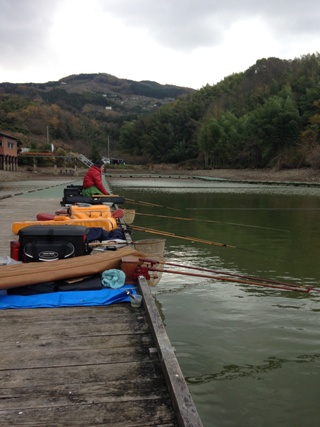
{"x":183,"y":42}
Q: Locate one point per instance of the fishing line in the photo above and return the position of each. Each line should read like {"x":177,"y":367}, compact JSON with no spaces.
{"x":195,"y":239}
{"x":211,"y":221}
{"x":148,"y":204}
{"x":253,"y":209}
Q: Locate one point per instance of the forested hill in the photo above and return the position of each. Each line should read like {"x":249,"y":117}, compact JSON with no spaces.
{"x":79,"y":110}
{"x":267,"y":116}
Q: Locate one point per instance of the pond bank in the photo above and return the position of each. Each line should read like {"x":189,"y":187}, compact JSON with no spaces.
{"x":294,"y":175}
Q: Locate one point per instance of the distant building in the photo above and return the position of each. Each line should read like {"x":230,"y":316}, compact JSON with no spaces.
{"x":9,"y":148}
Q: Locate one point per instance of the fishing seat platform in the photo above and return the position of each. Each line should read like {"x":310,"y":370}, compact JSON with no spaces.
{"x":72,"y":194}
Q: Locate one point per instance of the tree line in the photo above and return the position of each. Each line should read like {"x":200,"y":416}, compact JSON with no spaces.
{"x":267,"y":116}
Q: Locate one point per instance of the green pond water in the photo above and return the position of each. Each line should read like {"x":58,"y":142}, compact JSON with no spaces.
{"x":251,"y":356}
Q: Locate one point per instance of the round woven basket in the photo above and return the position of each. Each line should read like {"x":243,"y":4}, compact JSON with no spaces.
{"x":155,"y":276}
{"x":151,"y":246}
{"x":129,"y":215}
{"x":153,"y":250}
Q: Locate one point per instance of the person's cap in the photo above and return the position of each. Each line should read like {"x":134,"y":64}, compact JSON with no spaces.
{"x":99,"y":163}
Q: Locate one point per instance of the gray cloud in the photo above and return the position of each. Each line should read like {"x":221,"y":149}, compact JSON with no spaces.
{"x":189,"y":24}
{"x":23,"y":29}
{"x":28,"y":48}
{"x":178,"y":24}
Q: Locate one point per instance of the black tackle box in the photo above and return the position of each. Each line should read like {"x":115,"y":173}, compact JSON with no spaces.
{"x":49,"y":243}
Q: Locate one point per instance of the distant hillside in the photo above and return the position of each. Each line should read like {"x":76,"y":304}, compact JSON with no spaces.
{"x":79,"y":110}
{"x":108,"y":84}
{"x":267,"y":116}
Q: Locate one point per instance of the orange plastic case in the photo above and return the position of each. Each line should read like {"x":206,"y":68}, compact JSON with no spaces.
{"x":97,"y":211}
{"x":108,"y":224}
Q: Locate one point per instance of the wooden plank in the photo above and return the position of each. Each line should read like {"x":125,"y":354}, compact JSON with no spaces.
{"x":116,"y":414}
{"x":86,"y":393}
{"x":54,"y":376}
{"x":63,"y":314}
{"x":42,"y":327}
{"x":78,"y":343}
{"x":182,"y":400}
{"x":55,"y":357}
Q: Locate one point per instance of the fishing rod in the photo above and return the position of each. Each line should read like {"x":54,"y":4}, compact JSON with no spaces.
{"x":209,"y":220}
{"x":226,"y":273}
{"x":194,"y":239}
{"x":286,"y":287}
{"x":167,"y":234}
{"x":254,"y":209}
{"x":145,"y":203}
{"x":148,"y":204}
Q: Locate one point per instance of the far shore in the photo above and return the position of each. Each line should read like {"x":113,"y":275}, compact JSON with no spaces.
{"x":283,"y":175}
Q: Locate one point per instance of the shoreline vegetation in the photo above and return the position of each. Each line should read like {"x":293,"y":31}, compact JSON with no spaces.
{"x":283,"y":175}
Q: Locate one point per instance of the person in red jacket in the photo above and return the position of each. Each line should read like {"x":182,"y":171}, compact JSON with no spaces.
{"x":92,"y":181}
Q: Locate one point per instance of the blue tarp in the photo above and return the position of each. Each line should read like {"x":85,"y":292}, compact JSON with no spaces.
{"x":103,"y":296}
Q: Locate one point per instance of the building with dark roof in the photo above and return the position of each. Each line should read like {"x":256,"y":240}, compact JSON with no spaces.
{"x":9,"y":149}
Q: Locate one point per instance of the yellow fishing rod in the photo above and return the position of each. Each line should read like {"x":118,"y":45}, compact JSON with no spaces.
{"x":193,"y":239}
{"x":208,"y":220}
{"x":190,"y":239}
{"x":148,"y":204}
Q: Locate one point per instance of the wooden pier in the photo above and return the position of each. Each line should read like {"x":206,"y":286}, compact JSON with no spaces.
{"x":87,"y":366}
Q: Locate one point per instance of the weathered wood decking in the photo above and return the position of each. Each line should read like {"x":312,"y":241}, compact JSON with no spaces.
{"x":87,"y":366}
{"x":80,"y":367}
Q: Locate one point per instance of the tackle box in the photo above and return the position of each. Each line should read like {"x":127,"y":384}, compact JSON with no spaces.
{"x":47,"y":243}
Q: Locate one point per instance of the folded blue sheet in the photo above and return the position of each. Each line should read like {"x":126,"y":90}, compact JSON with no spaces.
{"x":103,"y":296}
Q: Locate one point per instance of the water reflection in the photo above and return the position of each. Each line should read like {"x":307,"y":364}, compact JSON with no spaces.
{"x":234,"y":372}
{"x":255,"y":347}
